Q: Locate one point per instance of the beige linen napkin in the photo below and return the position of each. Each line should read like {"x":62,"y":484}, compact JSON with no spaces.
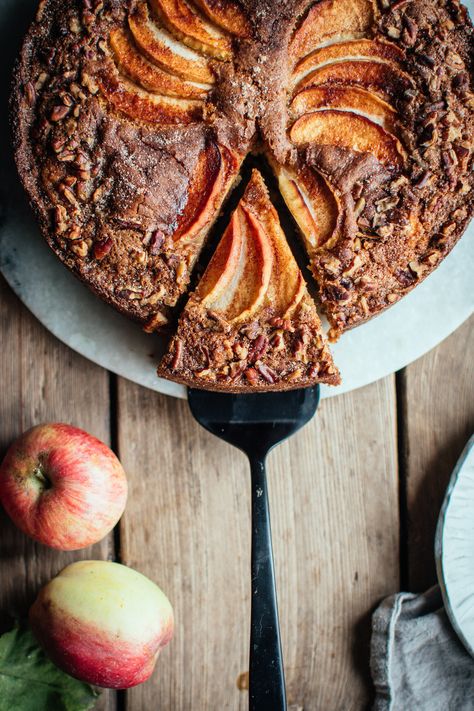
{"x":417,"y":661}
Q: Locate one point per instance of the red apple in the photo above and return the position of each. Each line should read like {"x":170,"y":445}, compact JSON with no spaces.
{"x":62,"y":487}
{"x":103,"y":623}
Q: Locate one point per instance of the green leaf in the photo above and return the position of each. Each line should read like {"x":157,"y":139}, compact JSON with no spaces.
{"x":29,"y":681}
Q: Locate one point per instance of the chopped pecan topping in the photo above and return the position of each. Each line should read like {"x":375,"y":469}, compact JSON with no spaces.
{"x":178,"y":354}
{"x":102,"y":248}
{"x":258,"y":348}
{"x":267,"y":373}
{"x":59,"y":112}
{"x":251,"y":375}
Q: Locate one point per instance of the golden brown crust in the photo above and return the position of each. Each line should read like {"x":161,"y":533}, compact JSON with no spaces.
{"x":127,"y":163}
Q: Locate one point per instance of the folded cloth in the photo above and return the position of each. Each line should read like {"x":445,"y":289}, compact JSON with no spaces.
{"x":417,"y":661}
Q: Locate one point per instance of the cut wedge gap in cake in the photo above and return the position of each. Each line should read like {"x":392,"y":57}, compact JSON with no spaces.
{"x":251,"y":324}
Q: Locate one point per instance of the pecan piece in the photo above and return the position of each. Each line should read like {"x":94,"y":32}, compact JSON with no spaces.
{"x":30,"y":93}
{"x":155,"y":322}
{"x":102,"y":248}
{"x":251,"y":375}
{"x":405,"y":277}
{"x":251,"y":330}
{"x":258,"y":348}
{"x":156,"y":242}
{"x":237,"y":368}
{"x":178,"y":354}
{"x":267,"y":373}
{"x":59,"y":112}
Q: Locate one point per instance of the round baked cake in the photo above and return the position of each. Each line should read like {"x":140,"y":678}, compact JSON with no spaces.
{"x":132,"y":119}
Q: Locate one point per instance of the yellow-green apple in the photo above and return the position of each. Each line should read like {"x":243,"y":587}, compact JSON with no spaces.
{"x":103,"y":623}
{"x":62,"y":486}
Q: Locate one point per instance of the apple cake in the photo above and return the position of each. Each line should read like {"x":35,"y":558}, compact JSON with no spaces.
{"x":251,"y":321}
{"x":132,"y":119}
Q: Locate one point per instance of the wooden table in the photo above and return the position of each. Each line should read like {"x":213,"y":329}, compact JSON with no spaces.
{"x":354,"y":499}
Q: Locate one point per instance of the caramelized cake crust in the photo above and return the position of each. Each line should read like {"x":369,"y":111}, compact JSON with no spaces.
{"x":132,"y":117}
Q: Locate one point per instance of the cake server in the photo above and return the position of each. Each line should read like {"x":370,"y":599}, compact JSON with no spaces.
{"x":255,"y":423}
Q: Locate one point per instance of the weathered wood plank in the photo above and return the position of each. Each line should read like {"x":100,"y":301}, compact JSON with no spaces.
{"x":334,"y":499}
{"x":42,"y":380}
{"x":438,"y":409}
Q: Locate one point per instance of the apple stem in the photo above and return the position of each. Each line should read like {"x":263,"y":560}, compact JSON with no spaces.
{"x":41,"y":476}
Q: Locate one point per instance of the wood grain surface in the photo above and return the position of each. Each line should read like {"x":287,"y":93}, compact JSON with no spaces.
{"x":438,"y":418}
{"x":334,"y":507}
{"x":42,"y":381}
{"x":354,"y":500}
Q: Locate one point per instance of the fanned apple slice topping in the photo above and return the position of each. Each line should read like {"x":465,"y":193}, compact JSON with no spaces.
{"x":313,"y":204}
{"x":250,"y":324}
{"x":134,"y":102}
{"x":346,"y":129}
{"x":252,"y":269}
{"x":227,"y":14}
{"x":379,"y":77}
{"x":236,"y":284}
{"x":137,"y":68}
{"x":163,"y":49}
{"x":217,"y":167}
{"x":350,"y":98}
{"x":378,"y":50}
{"x":188,"y":25}
{"x":330,"y":21}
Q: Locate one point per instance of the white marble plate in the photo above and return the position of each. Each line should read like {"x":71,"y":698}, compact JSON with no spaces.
{"x":454,"y":548}
{"x":63,"y":305}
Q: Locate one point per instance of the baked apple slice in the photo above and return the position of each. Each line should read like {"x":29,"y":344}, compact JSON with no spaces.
{"x":355,"y":49}
{"x":380,"y":77}
{"x":217,"y":167}
{"x":227,"y":14}
{"x":186,"y":23}
{"x":136,"y":67}
{"x":347,"y":98}
{"x":134,"y":102}
{"x":346,"y":129}
{"x":163,"y":49}
{"x":330,"y":21}
{"x":313,"y":204}
{"x":251,"y":324}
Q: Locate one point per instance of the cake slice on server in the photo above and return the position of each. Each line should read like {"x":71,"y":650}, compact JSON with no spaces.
{"x":251,"y":324}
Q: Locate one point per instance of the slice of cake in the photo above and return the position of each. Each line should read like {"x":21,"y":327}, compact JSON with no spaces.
{"x":251,"y":323}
